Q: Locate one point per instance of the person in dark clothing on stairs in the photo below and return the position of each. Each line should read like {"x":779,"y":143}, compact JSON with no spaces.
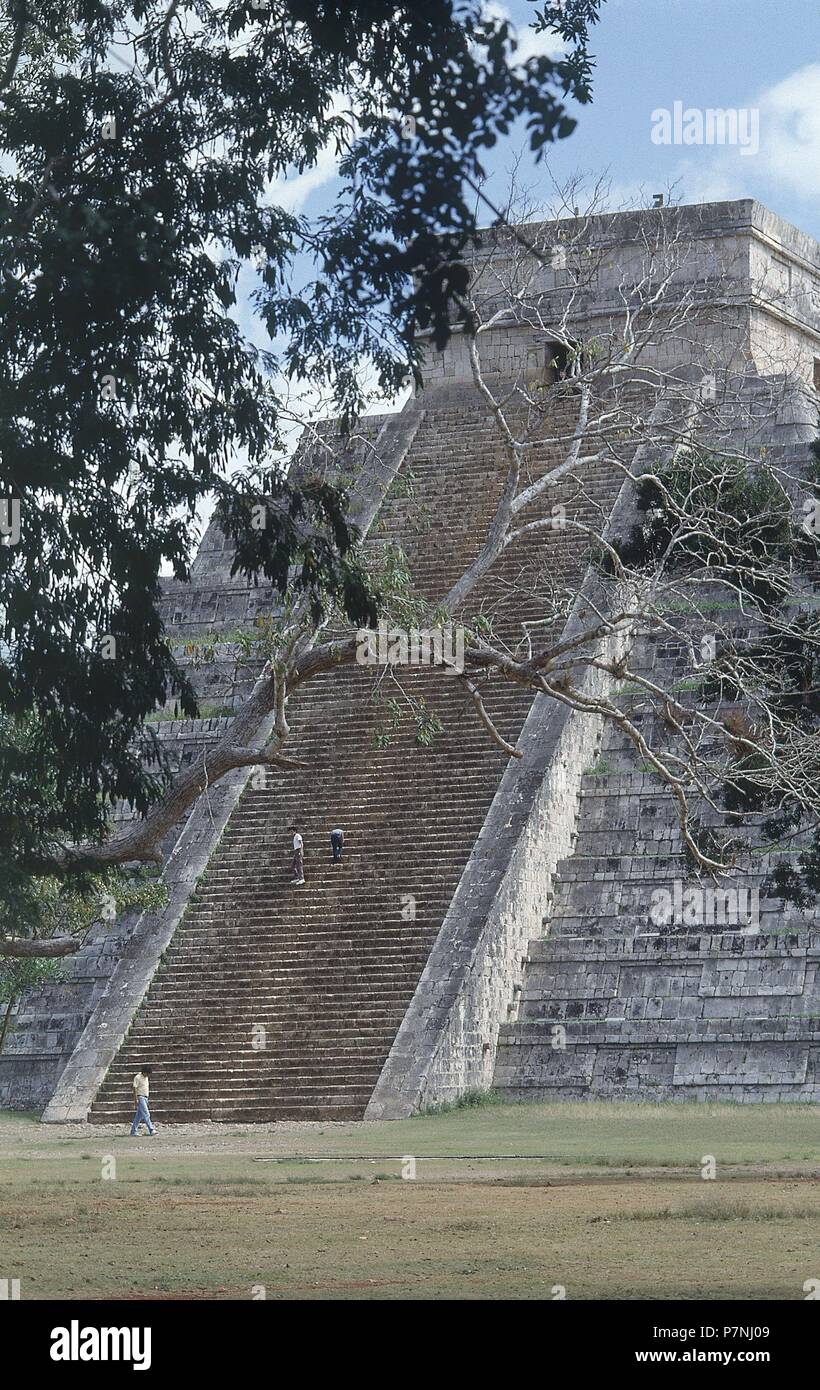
{"x":298,"y":856}
{"x":337,"y":839}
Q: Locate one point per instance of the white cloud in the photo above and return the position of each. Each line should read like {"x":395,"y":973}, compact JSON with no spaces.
{"x":790,"y":131}
{"x":530,"y":44}
{"x":293,"y":191}
{"x":718,"y":179}
{"x":787,"y":160}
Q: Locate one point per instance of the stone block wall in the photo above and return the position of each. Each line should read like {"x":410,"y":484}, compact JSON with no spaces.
{"x":763,"y":309}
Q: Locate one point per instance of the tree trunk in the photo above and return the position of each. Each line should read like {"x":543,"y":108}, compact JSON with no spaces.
{"x":3,"y":1030}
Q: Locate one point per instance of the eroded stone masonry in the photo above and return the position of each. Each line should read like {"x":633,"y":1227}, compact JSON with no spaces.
{"x":492,"y":923}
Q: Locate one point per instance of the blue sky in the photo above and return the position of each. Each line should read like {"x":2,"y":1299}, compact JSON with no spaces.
{"x":756,"y":56}
{"x":753,"y":55}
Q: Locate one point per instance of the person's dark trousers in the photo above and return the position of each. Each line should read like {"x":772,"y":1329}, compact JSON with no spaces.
{"x":298,"y":863}
{"x":336,"y":842}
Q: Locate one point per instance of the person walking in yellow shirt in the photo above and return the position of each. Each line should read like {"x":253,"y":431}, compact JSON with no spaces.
{"x":142,"y":1115}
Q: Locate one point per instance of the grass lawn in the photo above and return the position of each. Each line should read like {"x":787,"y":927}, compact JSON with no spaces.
{"x":603,"y":1201}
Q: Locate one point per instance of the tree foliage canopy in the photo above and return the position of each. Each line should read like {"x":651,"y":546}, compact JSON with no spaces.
{"x":143,"y":149}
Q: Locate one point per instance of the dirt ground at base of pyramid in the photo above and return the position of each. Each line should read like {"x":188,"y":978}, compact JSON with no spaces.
{"x":537,"y":1201}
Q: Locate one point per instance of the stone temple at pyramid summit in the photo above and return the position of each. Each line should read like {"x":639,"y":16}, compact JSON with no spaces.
{"x":490,"y":923}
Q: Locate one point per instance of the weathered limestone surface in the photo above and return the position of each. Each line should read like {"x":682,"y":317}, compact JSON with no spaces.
{"x":766,"y":275}
{"x":136,"y":966}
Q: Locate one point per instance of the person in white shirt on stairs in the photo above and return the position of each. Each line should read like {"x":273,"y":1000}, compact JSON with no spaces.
{"x":298,"y":856}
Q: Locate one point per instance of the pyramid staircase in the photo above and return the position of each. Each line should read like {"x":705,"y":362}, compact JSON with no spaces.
{"x":277,"y":1001}
{"x":722,"y":1002}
